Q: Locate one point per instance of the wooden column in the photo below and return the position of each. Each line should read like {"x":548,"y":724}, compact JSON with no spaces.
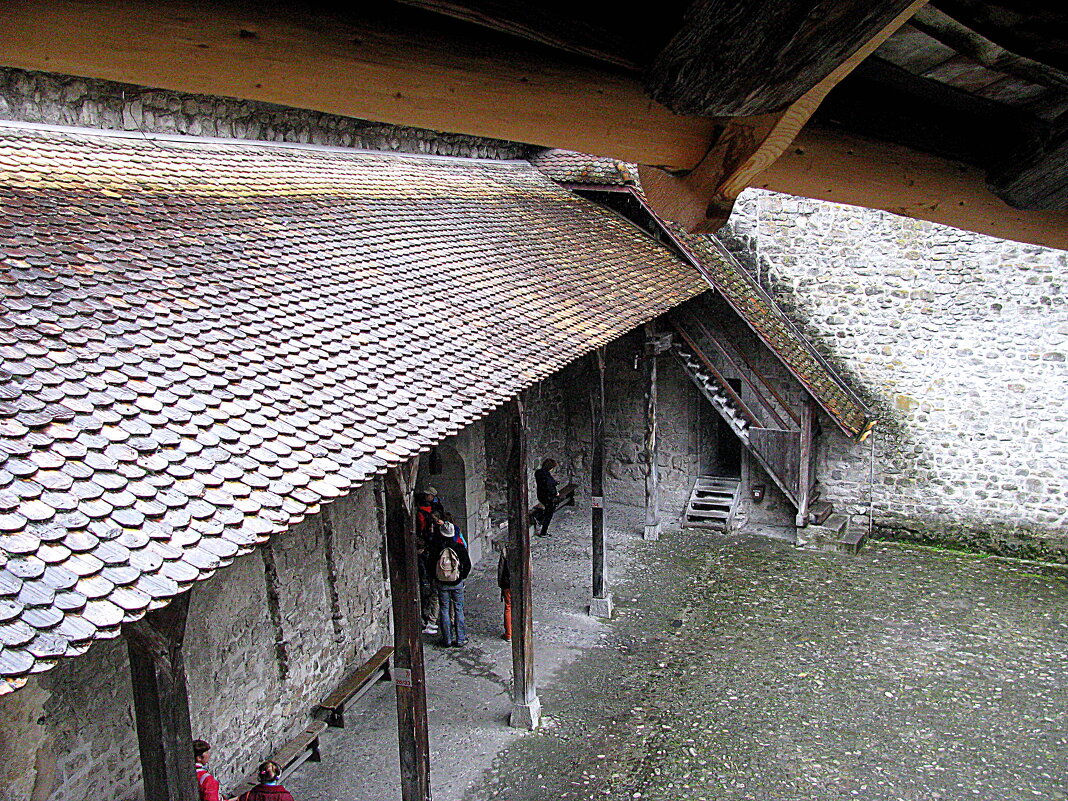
{"x":408,"y":676}
{"x":161,"y":702}
{"x":804,"y":472}
{"x":601,"y":602}
{"x":652,"y":440}
{"x":526,"y":707}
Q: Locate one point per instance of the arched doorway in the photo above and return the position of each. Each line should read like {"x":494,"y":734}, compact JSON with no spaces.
{"x":444,"y":470}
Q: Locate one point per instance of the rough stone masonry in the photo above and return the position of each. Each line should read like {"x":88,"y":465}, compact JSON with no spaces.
{"x":959,"y":340}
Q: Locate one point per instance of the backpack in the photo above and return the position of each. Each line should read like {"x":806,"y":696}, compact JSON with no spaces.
{"x":448,"y":569}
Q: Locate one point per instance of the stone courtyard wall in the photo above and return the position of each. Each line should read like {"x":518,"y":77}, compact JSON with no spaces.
{"x":49,"y":99}
{"x":958,"y":340}
{"x":558,"y":411}
{"x":253,"y":677}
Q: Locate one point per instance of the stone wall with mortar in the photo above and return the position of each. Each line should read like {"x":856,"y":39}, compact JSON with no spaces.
{"x":959,"y":340}
{"x":253,"y":678}
{"x":65,"y":100}
{"x":558,"y":411}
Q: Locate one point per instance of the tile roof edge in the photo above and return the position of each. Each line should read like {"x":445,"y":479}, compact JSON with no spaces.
{"x":186,"y":139}
{"x":869,"y":418}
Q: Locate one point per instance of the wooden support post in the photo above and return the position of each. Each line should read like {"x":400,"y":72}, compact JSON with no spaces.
{"x":652,"y":440}
{"x":161,"y":702}
{"x":804,"y":472}
{"x":526,"y":707}
{"x":408,"y":676}
{"x":601,"y":602}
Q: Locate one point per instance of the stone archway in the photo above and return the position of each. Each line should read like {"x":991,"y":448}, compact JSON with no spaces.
{"x":446,"y":472}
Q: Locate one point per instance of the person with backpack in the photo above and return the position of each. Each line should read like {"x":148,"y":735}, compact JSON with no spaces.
{"x":451,"y":564}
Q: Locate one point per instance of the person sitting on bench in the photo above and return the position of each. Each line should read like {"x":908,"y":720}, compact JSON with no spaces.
{"x":546,"y":487}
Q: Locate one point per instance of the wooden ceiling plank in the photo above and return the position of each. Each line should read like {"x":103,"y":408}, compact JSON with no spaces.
{"x":735,"y":58}
{"x":423,"y":77}
{"x":703,"y":199}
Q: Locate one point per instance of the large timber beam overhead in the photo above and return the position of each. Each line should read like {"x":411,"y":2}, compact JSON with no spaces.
{"x":564,"y":85}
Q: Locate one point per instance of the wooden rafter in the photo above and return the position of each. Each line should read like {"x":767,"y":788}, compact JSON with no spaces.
{"x":443,"y":78}
{"x":703,"y":199}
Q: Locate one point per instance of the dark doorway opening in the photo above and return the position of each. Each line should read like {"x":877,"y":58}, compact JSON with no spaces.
{"x":728,"y":446}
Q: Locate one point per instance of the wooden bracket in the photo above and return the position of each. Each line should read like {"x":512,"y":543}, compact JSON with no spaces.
{"x":702,"y":200}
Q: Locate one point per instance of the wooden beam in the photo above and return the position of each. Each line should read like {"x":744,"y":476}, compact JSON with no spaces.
{"x":652,"y":439}
{"x":408,"y":674}
{"x":161,"y":702}
{"x":403,"y":67}
{"x":411,"y":73}
{"x":735,"y":58}
{"x":804,"y":471}
{"x":832,"y":165}
{"x":1035,"y":175}
{"x":601,"y":601}
{"x":526,"y":707}
{"x":702,"y":200}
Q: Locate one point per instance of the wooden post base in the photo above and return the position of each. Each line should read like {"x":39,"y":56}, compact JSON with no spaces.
{"x":601,"y":607}
{"x":652,"y":531}
{"x":526,"y":716}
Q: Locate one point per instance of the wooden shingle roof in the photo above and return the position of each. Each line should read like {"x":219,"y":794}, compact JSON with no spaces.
{"x":202,"y":342}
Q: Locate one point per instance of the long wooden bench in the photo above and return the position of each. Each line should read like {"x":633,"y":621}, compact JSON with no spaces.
{"x":565,"y":496}
{"x":332,"y":708}
{"x":305,"y":746}
{"x":302,"y":748}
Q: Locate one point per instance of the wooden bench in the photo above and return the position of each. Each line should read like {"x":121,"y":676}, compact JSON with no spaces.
{"x":565,"y":496}
{"x":305,"y":746}
{"x":332,"y":708}
{"x":302,"y":748}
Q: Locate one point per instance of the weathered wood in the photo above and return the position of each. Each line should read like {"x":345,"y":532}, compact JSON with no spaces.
{"x":746,"y":147}
{"x":833,"y":165}
{"x":778,"y":452}
{"x":408,"y":674}
{"x":161,"y":702}
{"x":807,"y":449}
{"x":651,"y":444}
{"x":355,"y":685}
{"x":944,"y":28}
{"x":1035,"y":175}
{"x":736,"y":58}
{"x":526,"y":707}
{"x":388,"y":64}
{"x":600,"y":564}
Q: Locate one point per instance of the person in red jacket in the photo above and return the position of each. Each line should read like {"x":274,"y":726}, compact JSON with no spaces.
{"x":269,"y":788}
{"x":207,"y":784}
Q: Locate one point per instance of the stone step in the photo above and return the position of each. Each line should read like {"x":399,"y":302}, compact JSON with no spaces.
{"x":819,"y":512}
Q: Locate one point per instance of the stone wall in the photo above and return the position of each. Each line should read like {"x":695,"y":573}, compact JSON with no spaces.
{"x":253,"y":677}
{"x":558,"y":411}
{"x":64,"y":100}
{"x":958,"y":340}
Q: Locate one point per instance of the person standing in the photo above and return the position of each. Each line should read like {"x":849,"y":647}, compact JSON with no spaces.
{"x":504,"y":581}
{"x":424,"y":534}
{"x":270,"y":787}
{"x":452,"y":564}
{"x":207,"y":785}
{"x":546,"y":488}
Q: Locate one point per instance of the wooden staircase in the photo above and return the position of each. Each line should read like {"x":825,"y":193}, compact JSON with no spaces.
{"x":713,"y":502}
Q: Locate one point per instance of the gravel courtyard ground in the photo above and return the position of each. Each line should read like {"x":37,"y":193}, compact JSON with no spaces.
{"x":740,"y":668}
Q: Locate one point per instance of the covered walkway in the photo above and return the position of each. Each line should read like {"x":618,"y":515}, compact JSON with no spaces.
{"x":741,"y":668}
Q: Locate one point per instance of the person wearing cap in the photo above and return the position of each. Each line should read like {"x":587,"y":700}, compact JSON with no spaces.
{"x":207,"y":784}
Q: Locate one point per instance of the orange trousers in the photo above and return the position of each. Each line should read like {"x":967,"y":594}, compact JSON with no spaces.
{"x":507,"y":596}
